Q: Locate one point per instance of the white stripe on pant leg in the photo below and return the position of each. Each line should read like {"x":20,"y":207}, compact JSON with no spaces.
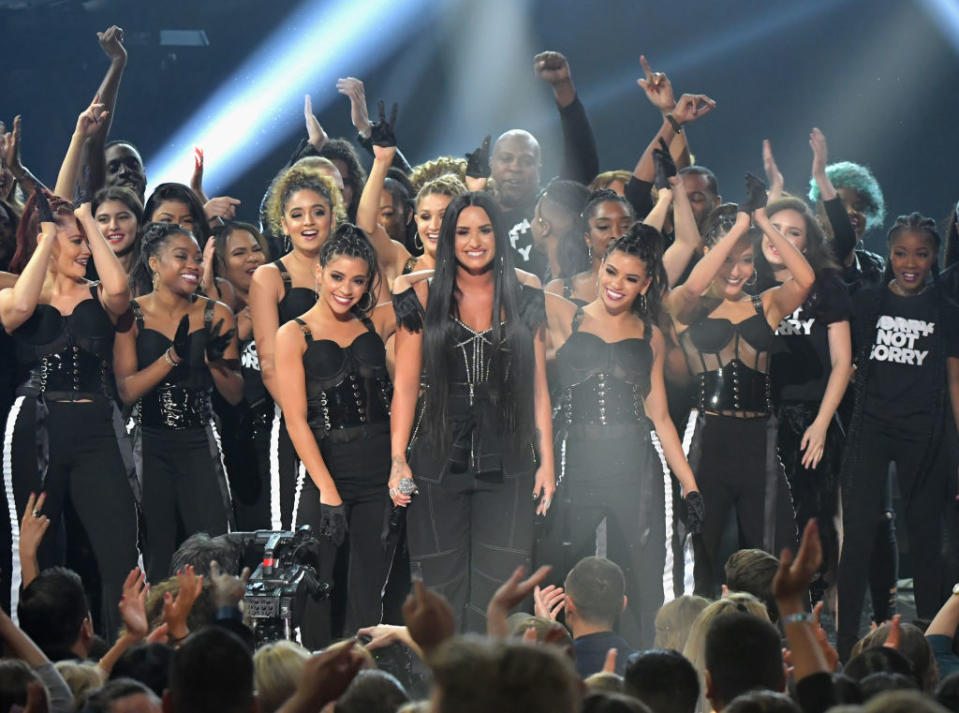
{"x":226,"y":476}
{"x":275,"y":518}
{"x":669,"y":592}
{"x":300,"y":477}
{"x":16,"y":575}
{"x":689,"y":562}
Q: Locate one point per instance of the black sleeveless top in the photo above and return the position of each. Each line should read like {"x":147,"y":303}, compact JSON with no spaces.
{"x":480,"y":443}
{"x":296,"y":300}
{"x":348,"y":388}
{"x":182,"y":399}
{"x":67,"y":356}
{"x":731,"y":361}
{"x":603,"y":382}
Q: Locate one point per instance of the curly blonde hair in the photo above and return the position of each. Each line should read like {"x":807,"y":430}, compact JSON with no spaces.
{"x":447,"y":184}
{"x":607,"y":178}
{"x":297,"y":178}
{"x":437,"y":167}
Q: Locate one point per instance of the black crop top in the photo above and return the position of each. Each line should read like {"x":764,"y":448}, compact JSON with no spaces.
{"x":731,"y":360}
{"x":603,"y":382}
{"x":182,"y":399}
{"x":346,"y":387}
{"x":296,"y":300}
{"x":67,"y":353}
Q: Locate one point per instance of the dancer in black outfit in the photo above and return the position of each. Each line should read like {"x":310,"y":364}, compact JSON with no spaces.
{"x":610,"y":357}
{"x":64,"y":435}
{"x":336,"y":394}
{"x":170,"y":379}
{"x":728,"y":339}
{"x":304,"y":206}
{"x":907,"y":396}
{"x":482,"y":443}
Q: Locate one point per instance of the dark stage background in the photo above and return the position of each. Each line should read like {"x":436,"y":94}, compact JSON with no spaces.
{"x":878,"y":76}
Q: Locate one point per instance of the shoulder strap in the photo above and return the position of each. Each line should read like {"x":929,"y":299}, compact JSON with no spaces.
{"x":208,"y":312}
{"x":307,"y":334}
{"x":368,"y":323}
{"x":94,"y":291}
{"x":567,"y":287}
{"x":757,"y":301}
{"x":577,"y":318}
{"x":137,"y":314}
{"x":284,"y":275}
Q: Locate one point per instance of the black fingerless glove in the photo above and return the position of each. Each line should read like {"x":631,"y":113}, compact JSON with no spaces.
{"x":333,"y":523}
{"x":755,"y":194}
{"x":477,"y":162}
{"x":665,"y":167}
{"x":695,"y":513}
{"x":381,"y":132}
{"x":216,"y":343}
{"x":181,"y":340}
{"x":43,"y":207}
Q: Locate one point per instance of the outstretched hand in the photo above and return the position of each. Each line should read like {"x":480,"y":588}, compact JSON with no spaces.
{"x":549,"y":601}
{"x":477,"y":162}
{"x":133,"y":604}
{"x":820,"y":152}
{"x":429,"y":618}
{"x":33,"y":525}
{"x":691,"y":107}
{"x":359,"y":113}
{"x":228,"y":589}
{"x":755,"y":195}
{"x":509,"y":595}
{"x":217,"y":343}
{"x":381,"y":132}
{"x":177,"y":608}
{"x":658,"y":88}
{"x":796,"y":573}
{"x":314,"y":132}
{"x":91,"y":118}
{"x":773,"y":175}
{"x":10,"y":147}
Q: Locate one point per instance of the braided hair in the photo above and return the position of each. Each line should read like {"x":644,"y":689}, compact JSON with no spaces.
{"x":913,"y":223}
{"x":604,"y":195}
{"x":155,"y":237}
{"x":351,"y":241}
{"x":646,"y":243}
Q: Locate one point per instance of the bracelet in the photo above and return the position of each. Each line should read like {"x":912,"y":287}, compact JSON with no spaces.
{"x":677,"y":127}
{"x":169,"y":359}
{"x":797,"y":618}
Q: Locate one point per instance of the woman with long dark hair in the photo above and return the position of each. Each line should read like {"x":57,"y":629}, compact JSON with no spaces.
{"x":476,"y":441}
{"x":336,"y":392}
{"x":728,"y":338}
{"x":907,"y":401}
{"x":180,"y":347}
{"x":613,"y":430}
{"x":64,"y":435}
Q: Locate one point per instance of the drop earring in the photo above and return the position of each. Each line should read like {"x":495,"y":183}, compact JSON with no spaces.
{"x":643,"y":304}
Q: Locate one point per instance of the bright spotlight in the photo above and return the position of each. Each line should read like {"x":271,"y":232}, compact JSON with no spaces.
{"x":253,"y":110}
{"x":946,"y":12}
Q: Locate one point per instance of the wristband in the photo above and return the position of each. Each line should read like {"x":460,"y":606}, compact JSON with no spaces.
{"x":797,"y":618}
{"x":227,"y":613}
{"x":677,"y":127}
{"x":169,"y":359}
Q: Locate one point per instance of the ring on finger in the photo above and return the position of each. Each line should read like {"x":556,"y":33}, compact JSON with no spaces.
{"x":36,"y":513}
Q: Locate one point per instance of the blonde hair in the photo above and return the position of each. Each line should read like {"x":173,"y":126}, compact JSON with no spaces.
{"x":302,"y":177}
{"x":82,"y":677}
{"x":277,"y":668}
{"x":606,"y":178}
{"x":695,"y":649}
{"x":674,"y":620}
{"x":446,"y":185}
{"x":437,"y":167}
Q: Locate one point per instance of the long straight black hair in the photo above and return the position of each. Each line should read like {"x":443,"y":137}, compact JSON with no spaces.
{"x":510,"y":381}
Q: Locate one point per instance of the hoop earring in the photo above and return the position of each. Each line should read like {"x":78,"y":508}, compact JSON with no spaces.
{"x":752,"y":280}
{"x":368,"y":298}
{"x":418,"y":242}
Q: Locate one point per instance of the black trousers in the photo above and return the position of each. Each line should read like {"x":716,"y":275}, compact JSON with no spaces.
{"x":815,"y":491}
{"x":926,"y":489}
{"x":86,"y":473}
{"x":737,"y":469}
{"x":182,"y":493}
{"x":360,"y":469}
{"x":622,"y":481}
{"x":248,"y":464}
{"x":466,"y":536}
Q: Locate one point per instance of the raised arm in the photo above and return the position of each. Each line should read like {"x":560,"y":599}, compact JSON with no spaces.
{"x":111,"y":40}
{"x":291,"y":388}
{"x":689,"y":108}
{"x":360,"y":116}
{"x":785,"y":298}
{"x":409,"y":307}
{"x":88,"y":123}
{"x":10,"y":158}
{"x":687,"y":239}
{"x":580,"y":158}
{"x":18,"y":303}
{"x":773,"y":174}
{"x":384,"y":148}
{"x":659,"y":91}
{"x":114,"y":283}
{"x":844,"y":236}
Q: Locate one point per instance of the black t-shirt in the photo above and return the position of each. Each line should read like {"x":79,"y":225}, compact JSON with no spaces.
{"x":801,"y":370}
{"x":908,"y":338}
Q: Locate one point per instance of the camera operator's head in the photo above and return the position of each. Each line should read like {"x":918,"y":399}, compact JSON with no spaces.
{"x":211,"y":671}
{"x":200,"y":549}
{"x":53,"y":611}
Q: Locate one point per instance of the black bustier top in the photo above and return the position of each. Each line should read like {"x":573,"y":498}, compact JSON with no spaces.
{"x":603,"y":382}
{"x":347,"y":388}
{"x":296,"y":300}
{"x":67,"y":356}
{"x":182,"y":399}
{"x":731,"y":361}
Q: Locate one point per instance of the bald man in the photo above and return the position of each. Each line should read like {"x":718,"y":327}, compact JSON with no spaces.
{"x":516,"y":160}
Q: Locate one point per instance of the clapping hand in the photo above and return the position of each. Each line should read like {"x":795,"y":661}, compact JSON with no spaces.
{"x":381,"y":132}
{"x":359,"y":113}
{"x":755,"y":195}
{"x":477,"y":162}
